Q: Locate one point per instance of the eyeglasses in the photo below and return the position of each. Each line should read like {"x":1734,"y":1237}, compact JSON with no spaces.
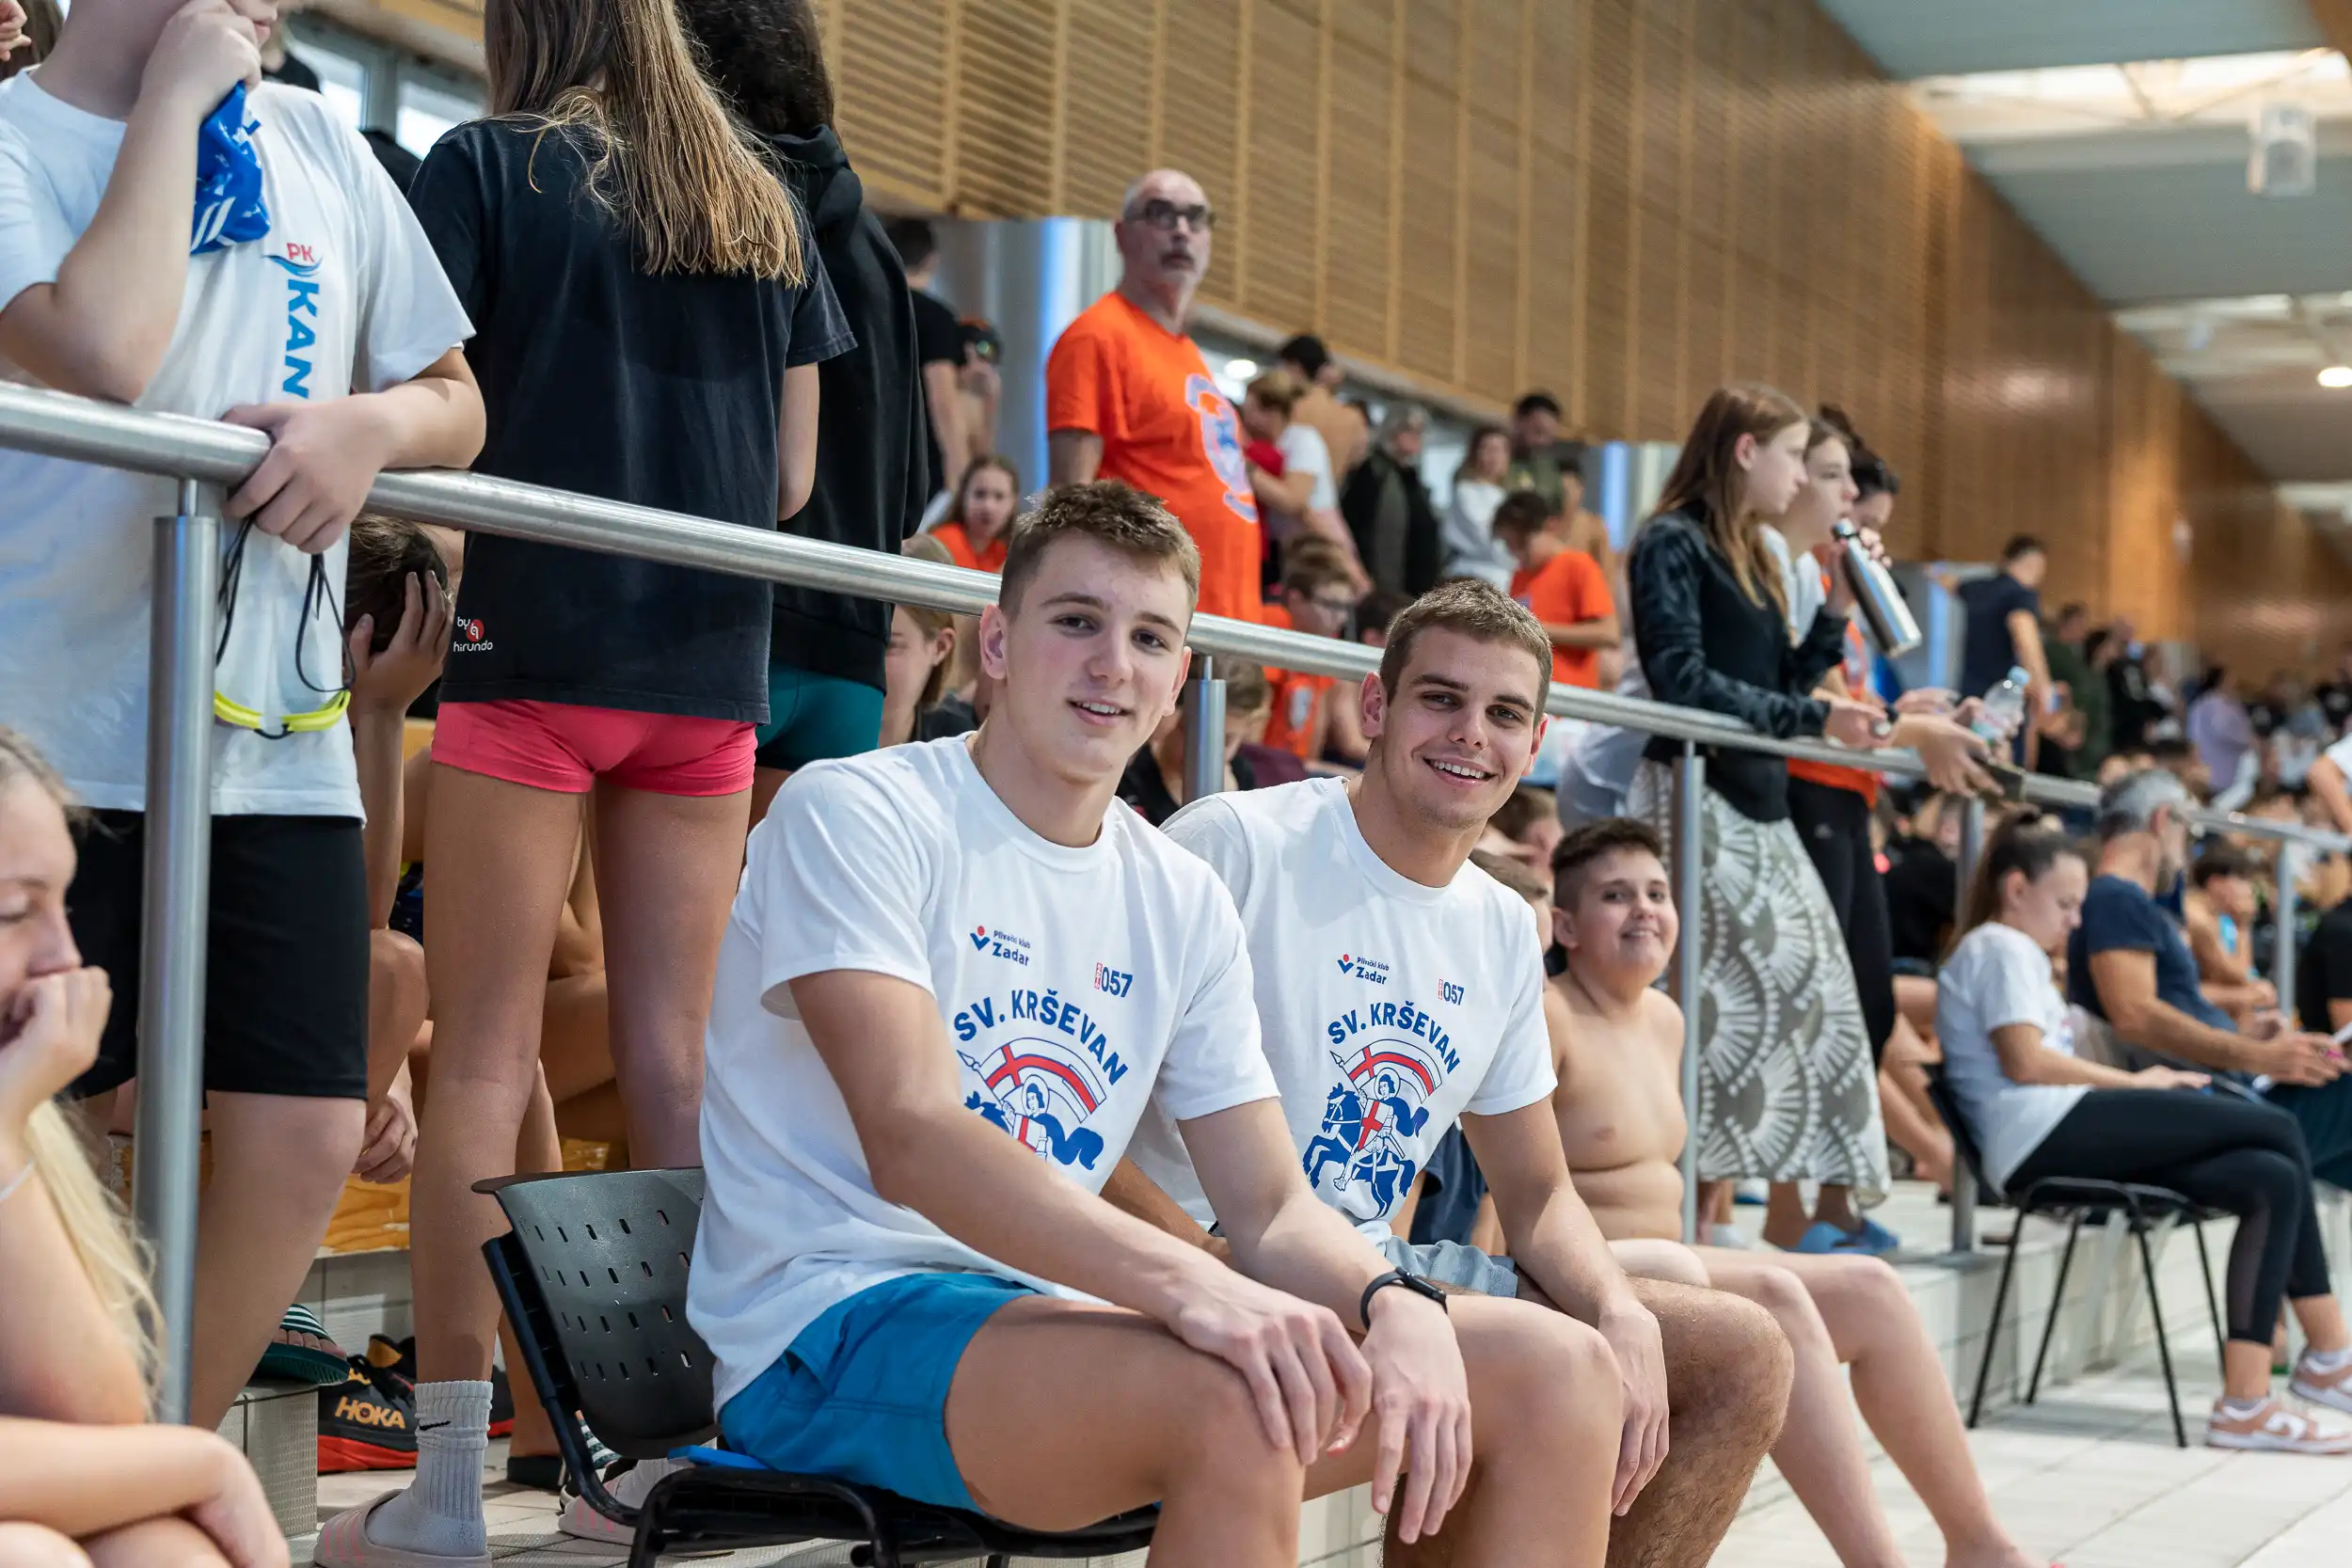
{"x":1165,"y":215}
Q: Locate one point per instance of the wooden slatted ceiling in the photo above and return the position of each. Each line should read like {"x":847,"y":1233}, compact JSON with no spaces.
{"x":1628,"y":201}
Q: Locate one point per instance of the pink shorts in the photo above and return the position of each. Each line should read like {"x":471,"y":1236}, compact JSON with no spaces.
{"x":559,"y":747}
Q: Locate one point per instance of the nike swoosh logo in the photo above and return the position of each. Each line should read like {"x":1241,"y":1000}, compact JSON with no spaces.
{"x":432,"y":1426}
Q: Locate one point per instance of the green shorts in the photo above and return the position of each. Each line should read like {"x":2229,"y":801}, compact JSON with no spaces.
{"x":813,"y":717}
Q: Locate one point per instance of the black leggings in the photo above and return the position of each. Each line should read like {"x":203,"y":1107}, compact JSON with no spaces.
{"x":2222,"y":1151}
{"x":1835,"y":825}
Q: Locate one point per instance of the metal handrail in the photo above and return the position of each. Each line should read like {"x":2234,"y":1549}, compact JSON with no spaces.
{"x":170,"y":446}
{"x":204,"y":457}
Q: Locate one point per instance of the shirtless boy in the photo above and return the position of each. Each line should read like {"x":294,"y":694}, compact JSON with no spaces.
{"x":1617,"y":1050}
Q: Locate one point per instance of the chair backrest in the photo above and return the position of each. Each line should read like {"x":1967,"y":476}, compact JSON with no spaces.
{"x":1963,"y":1140}
{"x":608,"y":1252}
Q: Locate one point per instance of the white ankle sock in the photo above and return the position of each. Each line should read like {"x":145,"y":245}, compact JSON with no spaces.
{"x":2240,"y":1409}
{"x":2326,"y":1361}
{"x":442,"y":1510}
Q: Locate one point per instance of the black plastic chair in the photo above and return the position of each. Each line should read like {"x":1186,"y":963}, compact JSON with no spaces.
{"x":592,"y":1278}
{"x":2071,"y":1199}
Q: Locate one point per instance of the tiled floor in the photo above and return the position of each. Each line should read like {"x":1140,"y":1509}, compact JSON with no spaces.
{"x":2089,"y":1479}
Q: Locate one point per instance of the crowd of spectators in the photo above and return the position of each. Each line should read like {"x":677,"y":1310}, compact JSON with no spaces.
{"x":680,"y":823}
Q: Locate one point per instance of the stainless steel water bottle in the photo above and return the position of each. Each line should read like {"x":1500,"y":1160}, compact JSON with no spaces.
{"x":1892,"y":626}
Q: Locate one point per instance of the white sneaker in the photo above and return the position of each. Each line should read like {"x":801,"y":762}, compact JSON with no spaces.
{"x":630,"y":1486}
{"x":2272,"y":1428}
{"x":2332,"y":1389}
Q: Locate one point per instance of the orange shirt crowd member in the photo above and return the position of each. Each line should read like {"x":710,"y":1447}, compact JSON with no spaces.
{"x":978,"y":526}
{"x":1565,"y":588}
{"x":1318,"y":596}
{"x":1146,"y":393}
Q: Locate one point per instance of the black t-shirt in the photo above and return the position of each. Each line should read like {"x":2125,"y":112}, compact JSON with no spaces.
{"x":2324,"y":973}
{"x":1990,"y":652}
{"x":938,"y":337}
{"x":2120,"y":915}
{"x":663,"y":392}
{"x":1922,"y":898}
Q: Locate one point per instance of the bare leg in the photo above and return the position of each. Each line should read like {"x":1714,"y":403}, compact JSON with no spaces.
{"x":397,"y":1002}
{"x":1061,"y":1414}
{"x":2323,"y":1323}
{"x":765,"y":783}
{"x":501,"y":856}
{"x":1545,"y":1403}
{"x":1784,"y":1217}
{"x":278,"y":1164}
{"x":666,"y":870}
{"x":24,"y":1545}
{"x":1899,"y":1383}
{"x":575,"y":1040}
{"x":1834,"y":1206}
{"x":538,"y":1150}
{"x":1912,"y":1121}
{"x":167,"y":1542}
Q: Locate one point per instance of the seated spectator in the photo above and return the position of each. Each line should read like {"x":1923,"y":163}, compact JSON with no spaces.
{"x":82,"y":1481}
{"x":2218,"y":914}
{"x":1388,"y":508}
{"x":1564,"y":587}
{"x":903,"y":1161}
{"x":978,"y":524}
{"x":110,"y":124}
{"x":1154,"y":782}
{"x":1617,"y":1044}
{"x":2322,"y":980}
{"x":2037,"y":1110}
{"x":1318,"y":597}
{"x":1525,"y":828}
{"x":922,"y":641}
{"x":1471,"y":549}
{"x":1324,"y":869}
{"x":1343,"y":742}
{"x":2130,"y":965}
{"x":1923,"y":890}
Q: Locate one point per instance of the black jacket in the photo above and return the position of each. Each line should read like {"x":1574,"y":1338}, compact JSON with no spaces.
{"x":1705,"y":644}
{"x":1360,"y":503}
{"x":873,"y":476}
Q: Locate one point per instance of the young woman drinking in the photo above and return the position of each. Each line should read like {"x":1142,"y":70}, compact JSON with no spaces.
{"x":2038,"y":1111}
{"x":1785,"y":1087}
{"x":649,"y":316}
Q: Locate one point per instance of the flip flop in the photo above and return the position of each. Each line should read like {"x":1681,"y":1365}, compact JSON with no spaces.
{"x":300,"y":1351}
{"x":1824,"y":1237}
{"x":343,"y":1543}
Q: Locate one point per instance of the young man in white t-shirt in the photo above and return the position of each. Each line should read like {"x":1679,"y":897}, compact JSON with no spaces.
{"x":1400,"y":989}
{"x":957,"y":976}
{"x":334,"y":333}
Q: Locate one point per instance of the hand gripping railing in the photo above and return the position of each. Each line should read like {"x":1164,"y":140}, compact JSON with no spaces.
{"x":206,"y":457}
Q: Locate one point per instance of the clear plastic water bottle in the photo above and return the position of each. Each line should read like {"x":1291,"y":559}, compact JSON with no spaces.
{"x":2004,"y":711}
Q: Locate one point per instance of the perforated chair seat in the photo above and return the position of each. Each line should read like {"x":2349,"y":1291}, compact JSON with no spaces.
{"x":2073,"y":1198}
{"x":592,"y":1277}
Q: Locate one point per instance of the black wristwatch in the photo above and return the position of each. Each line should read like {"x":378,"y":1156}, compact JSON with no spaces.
{"x":1412,"y":1282}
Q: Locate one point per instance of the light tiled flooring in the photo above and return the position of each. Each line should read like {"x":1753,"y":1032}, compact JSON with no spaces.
{"x":2089,"y":1479}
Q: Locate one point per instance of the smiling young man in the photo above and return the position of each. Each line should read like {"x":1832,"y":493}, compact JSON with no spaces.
{"x":1400,"y":987}
{"x":312,"y":308}
{"x":957,"y":976}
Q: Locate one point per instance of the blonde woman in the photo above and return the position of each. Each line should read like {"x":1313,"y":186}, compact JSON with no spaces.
{"x":76,"y":1344}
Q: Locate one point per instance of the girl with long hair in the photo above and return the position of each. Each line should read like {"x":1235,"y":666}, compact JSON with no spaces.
{"x":1785,"y":1087}
{"x":650,"y":312}
{"x":1471,"y":548}
{"x":1831,"y":807}
{"x":2039,"y":1112}
{"x":978,"y":525}
{"x":78,"y":1340}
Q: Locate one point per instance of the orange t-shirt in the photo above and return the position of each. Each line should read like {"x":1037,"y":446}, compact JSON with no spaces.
{"x":1855,"y":672}
{"x":1291,"y":722}
{"x":959,"y":545}
{"x":1166,"y":430}
{"x":1563,"y":590}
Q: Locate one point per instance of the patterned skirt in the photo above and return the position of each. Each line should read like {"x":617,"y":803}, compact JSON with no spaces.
{"x":1786,"y":1089}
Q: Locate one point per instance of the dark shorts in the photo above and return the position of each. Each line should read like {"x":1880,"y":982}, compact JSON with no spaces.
{"x":813,"y":717}
{"x":286,"y":971}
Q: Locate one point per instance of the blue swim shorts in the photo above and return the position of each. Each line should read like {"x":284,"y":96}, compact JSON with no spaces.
{"x":862,"y":1394}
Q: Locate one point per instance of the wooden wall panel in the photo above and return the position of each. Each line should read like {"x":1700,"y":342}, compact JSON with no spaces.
{"x":1625,"y":201}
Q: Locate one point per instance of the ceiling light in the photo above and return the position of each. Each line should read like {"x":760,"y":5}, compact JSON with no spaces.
{"x":2336,"y":378}
{"x":1241,"y":369}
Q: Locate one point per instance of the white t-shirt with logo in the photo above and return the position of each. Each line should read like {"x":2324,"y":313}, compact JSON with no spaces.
{"x":1388,"y":1008}
{"x":1078,"y":988}
{"x":344,"y":293}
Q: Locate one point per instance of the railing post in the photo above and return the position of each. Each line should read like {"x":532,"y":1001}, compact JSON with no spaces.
{"x":1965,"y":1183}
{"x":2282,"y":960}
{"x":1690,"y":846}
{"x":178,"y":882}
{"x":1204,"y":730}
